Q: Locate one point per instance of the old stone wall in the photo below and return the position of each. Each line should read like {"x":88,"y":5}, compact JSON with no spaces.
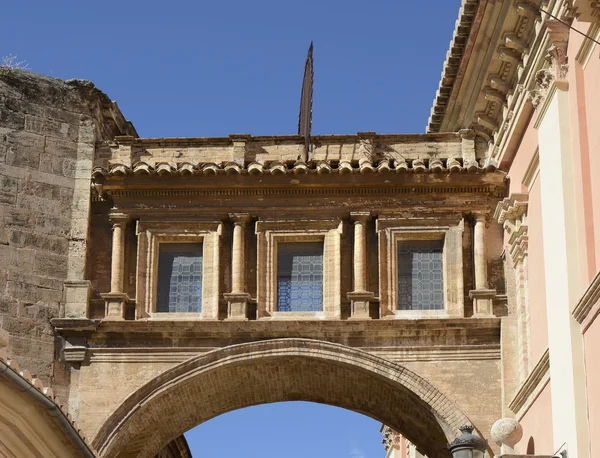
{"x":49,"y":130}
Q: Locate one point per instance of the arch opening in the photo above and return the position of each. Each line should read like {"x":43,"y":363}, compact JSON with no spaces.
{"x":302,"y":429}
{"x":278,"y":370}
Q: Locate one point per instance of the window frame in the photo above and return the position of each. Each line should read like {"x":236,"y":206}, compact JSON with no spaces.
{"x":171,"y":250}
{"x":269,"y":235}
{"x":277,"y":299}
{"x":153,"y":233}
{"x":391,"y":231}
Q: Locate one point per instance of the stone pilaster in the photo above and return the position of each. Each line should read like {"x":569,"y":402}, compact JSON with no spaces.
{"x":237,"y":299}
{"x":561,"y":262}
{"x":482,"y":296}
{"x":512,"y":214}
{"x":116,"y":299}
{"x":360,"y":298}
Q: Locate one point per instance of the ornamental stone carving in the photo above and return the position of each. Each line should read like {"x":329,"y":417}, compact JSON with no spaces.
{"x":556,"y":58}
{"x":512,"y":214}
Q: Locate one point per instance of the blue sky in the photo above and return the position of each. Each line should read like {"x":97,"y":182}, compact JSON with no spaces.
{"x":195,"y":69}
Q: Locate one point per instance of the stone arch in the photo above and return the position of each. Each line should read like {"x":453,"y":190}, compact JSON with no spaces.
{"x":276,"y":370}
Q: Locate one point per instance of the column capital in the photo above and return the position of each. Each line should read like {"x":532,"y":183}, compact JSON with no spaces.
{"x":118,"y":218}
{"x":480,"y":218}
{"x":239,"y":218}
{"x":360,"y":216}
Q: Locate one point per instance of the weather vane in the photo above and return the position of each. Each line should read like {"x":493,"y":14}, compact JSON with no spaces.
{"x":305,"y":117}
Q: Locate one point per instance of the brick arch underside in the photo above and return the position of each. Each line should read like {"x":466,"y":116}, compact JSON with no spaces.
{"x":272,"y":371}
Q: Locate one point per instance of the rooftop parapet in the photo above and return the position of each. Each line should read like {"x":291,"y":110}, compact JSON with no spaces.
{"x":364,"y":152}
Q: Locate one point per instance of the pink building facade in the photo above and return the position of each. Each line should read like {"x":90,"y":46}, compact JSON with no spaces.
{"x":527,"y":80}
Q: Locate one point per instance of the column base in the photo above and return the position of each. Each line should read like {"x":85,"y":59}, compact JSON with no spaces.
{"x":114,"y":306}
{"x":237,"y":306}
{"x":360,"y":302}
{"x":483,"y":302}
{"x":76,"y":296}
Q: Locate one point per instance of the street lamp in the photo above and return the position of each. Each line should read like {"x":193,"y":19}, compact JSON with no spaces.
{"x":467,"y":445}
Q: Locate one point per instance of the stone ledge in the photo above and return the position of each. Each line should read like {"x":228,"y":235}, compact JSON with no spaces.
{"x":532,"y":386}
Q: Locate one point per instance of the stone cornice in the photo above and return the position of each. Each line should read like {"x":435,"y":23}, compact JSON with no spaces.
{"x":438,"y":331}
{"x":588,"y":307}
{"x":533,"y":74}
{"x":433,"y":165}
{"x":461,"y":46}
{"x":496,"y":103}
{"x":402,"y":354}
{"x":283,"y":139}
{"x":531,"y":388}
{"x":478,"y":100}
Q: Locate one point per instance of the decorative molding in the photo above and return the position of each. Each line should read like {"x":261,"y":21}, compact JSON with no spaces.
{"x":495,"y":191}
{"x":531,"y":387}
{"x":533,"y":169}
{"x":400,"y":354}
{"x":588,"y":307}
{"x":587,"y":46}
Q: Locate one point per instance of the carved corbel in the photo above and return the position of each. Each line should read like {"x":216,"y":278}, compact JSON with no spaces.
{"x":509,"y":55}
{"x":515,"y":42}
{"x":512,"y":214}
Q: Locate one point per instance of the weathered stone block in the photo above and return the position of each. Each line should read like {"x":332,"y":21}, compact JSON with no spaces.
{"x":50,"y":127}
{"x":8,"y":190}
{"x":51,"y":265}
{"x":54,"y":225}
{"x":56,"y":245}
{"x":24,"y":149}
{"x":61,"y":147}
{"x":77,"y":294}
{"x":38,"y":204}
{"x":17,"y":217}
{"x":9,"y":118}
{"x":31,"y":294}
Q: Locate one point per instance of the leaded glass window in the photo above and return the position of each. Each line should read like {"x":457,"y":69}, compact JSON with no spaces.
{"x":300,"y":277}
{"x":420,"y":282}
{"x":180,"y":277}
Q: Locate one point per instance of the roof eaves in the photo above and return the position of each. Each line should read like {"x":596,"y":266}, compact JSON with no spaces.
{"x":454,"y":59}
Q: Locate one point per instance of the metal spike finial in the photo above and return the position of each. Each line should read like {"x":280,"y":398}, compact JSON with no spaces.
{"x":305,"y":117}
